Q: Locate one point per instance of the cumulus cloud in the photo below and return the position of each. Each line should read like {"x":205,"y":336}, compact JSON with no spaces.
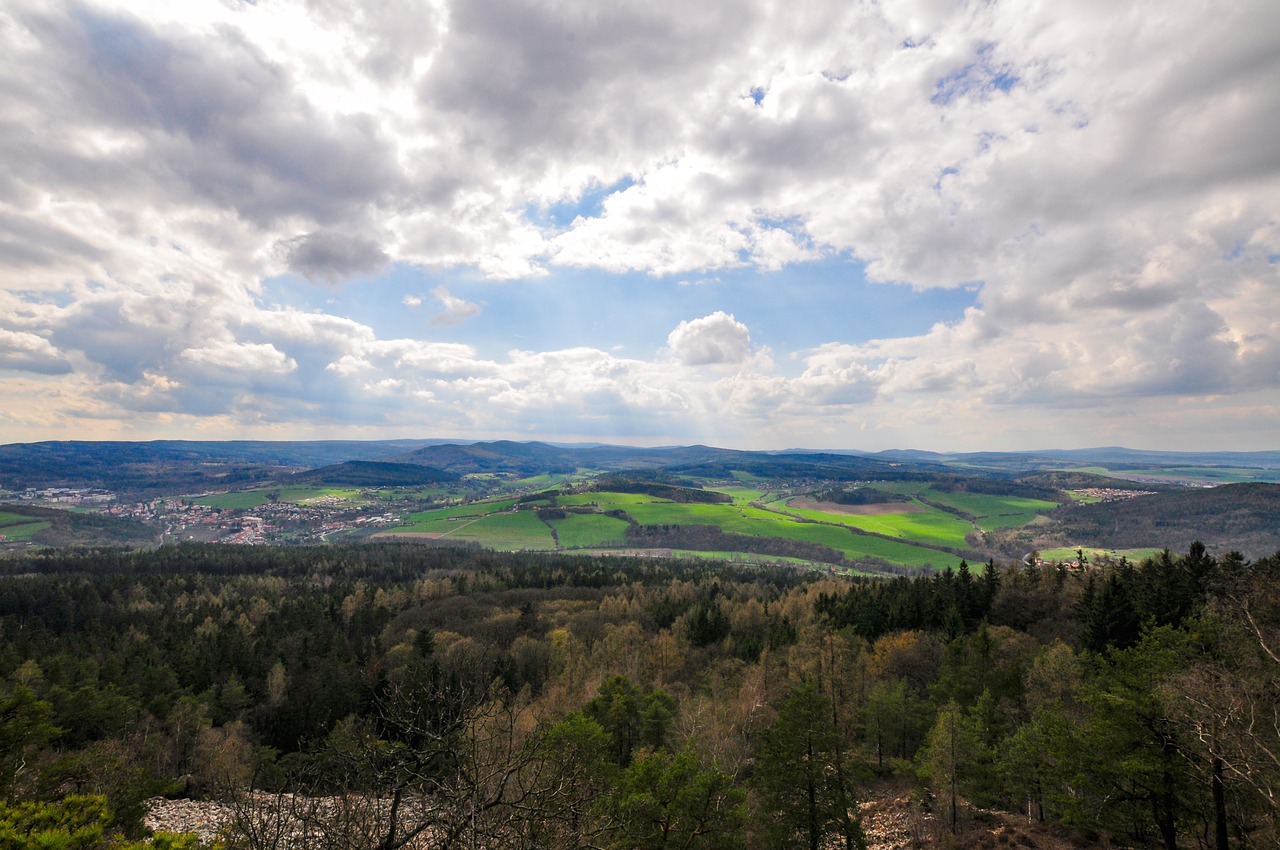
{"x":257,"y":358}
{"x":717,"y":339}
{"x":26,"y":352}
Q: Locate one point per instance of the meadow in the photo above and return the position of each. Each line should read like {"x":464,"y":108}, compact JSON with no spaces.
{"x":17,"y":527}
{"x":598,"y":530}
{"x":925,"y":524}
{"x":1094,"y":554}
{"x":988,"y":512}
{"x":583,"y":531}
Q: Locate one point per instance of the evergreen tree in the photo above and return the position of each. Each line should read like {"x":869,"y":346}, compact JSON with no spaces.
{"x":949,"y":758}
{"x":801,"y":796}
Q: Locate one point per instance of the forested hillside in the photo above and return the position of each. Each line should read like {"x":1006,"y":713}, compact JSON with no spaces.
{"x":416,"y":696}
{"x":1245,"y":517}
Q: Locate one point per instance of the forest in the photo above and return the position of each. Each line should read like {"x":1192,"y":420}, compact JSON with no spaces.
{"x":402,"y":695}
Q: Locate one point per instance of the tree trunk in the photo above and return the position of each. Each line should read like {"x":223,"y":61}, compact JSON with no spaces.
{"x":812,"y":782}
{"x":1219,"y":807}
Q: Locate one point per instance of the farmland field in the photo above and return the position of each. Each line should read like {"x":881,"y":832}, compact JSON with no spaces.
{"x":1207,"y":475}
{"x":926,"y":526}
{"x":493,"y":524}
{"x":580,"y":531}
{"x":992,"y":512}
{"x":1067,"y":553}
{"x":743,"y":519}
{"x":473,"y":509}
{"x":509,"y":530}
{"x":19,"y":527}
{"x":741,"y":495}
{"x":24,"y":530}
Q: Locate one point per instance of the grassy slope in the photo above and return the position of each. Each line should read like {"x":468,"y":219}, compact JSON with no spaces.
{"x":493,"y":524}
{"x":24,"y":530}
{"x":988,"y":511}
{"x":581,"y":531}
{"x":743,"y":519}
{"x":1067,"y":553}
{"x":56,"y":527}
{"x":510,"y":531}
{"x":931,"y":526}
{"x":992,"y":512}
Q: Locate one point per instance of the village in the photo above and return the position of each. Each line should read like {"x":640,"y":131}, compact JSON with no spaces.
{"x":184,"y":519}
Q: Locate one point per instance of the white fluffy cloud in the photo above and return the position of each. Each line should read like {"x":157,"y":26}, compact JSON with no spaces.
{"x":1107,"y":179}
{"x":718,"y":339}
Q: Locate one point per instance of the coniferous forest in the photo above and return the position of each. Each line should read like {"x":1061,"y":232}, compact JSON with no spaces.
{"x":388,"y":696}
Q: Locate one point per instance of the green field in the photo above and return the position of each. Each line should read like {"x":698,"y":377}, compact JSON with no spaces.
{"x":991,"y":512}
{"x":582,"y":531}
{"x":24,"y":530}
{"x":1203,"y":474}
{"x":1067,"y":553}
{"x":542,"y":482}
{"x":426,"y":521}
{"x":930,"y":526}
{"x":741,"y":495}
{"x":20,"y":527}
{"x":505,"y":529}
{"x":743,"y":519}
{"x":508,"y":530}
{"x":901,"y":488}
{"x":605,"y":501}
{"x":249,"y":499}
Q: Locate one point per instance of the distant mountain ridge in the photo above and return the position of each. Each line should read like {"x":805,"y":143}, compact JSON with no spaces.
{"x":177,"y":466}
{"x":372,"y":473}
{"x":188,"y":466}
{"x":505,"y":456}
{"x":1101,"y":455}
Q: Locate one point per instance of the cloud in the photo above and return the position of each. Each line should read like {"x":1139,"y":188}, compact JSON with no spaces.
{"x":332,"y":257}
{"x":26,"y":352}
{"x":717,"y":339}
{"x":1106,"y":183}
{"x":259,"y":358}
{"x":455,"y":309}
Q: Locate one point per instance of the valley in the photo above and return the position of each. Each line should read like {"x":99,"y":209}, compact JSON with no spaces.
{"x":840,"y":512}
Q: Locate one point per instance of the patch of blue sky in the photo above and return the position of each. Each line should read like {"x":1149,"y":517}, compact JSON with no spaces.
{"x":560,"y":215}
{"x":976,"y":78}
{"x":1005,"y":80}
{"x":794,"y":309}
{"x":54,"y":297}
{"x":757,"y":94}
{"x":378,"y":301}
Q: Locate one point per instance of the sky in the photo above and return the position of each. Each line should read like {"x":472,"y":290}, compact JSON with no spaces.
{"x":955,"y":226}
